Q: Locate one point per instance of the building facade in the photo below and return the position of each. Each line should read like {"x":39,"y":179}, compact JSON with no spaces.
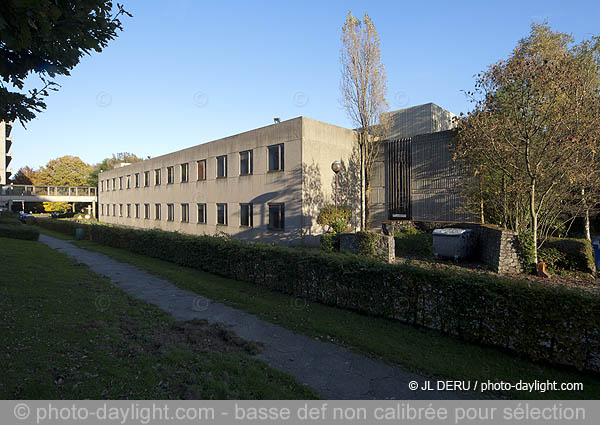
{"x":269,"y":184}
{"x":266,"y":184}
{"x":5,"y":155}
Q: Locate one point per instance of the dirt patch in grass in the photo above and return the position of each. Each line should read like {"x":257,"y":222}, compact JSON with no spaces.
{"x":197,"y":336}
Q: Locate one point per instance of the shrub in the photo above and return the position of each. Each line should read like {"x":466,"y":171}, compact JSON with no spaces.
{"x":551,"y":323}
{"x":330,"y":242}
{"x":367,"y":243}
{"x":570,"y":254}
{"x":335,"y":219}
{"x":526,"y":252}
{"x":411,"y":241}
{"x":18,"y":231}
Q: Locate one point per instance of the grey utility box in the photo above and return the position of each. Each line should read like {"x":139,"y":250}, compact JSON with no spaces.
{"x":453,"y":243}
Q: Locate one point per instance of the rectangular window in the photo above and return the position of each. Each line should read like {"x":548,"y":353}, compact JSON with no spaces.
{"x":185,"y":173}
{"x":170,"y":212}
{"x":275,"y":157}
{"x":222,"y":166}
{"x":120,"y":210}
{"x":128,"y":210}
{"x":146,"y":178}
{"x":114,"y":183}
{"x":170,"y":175}
{"x":222,"y":214}
{"x":146,"y":211}
{"x":246,"y":163}
{"x":157,"y":211}
{"x":121,"y":183}
{"x":246,"y":215}
{"x":276,"y":217}
{"x":202,"y":213}
{"x":128,"y":180}
{"x":185,"y":213}
{"x":157,"y":177}
{"x":137,"y":210}
{"x":202,"y":169}
{"x":137,"y":179}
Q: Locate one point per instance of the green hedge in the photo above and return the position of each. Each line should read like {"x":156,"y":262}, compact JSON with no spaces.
{"x":554,"y":324}
{"x":18,"y":231}
{"x":569,"y":254}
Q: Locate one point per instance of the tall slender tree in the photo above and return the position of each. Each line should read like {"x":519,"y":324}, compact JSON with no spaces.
{"x":363,"y":88}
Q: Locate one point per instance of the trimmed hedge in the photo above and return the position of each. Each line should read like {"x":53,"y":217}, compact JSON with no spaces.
{"x":554,"y":324}
{"x":18,"y":231}
{"x":569,"y":254}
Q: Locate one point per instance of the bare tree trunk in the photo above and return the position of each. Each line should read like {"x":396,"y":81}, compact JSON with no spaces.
{"x":586,"y":217}
{"x":534,"y":217}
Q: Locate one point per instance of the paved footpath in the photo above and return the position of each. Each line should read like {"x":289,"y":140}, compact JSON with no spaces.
{"x":334,"y":372}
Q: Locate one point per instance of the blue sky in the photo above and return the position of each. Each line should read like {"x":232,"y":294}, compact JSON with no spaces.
{"x":185,"y":72}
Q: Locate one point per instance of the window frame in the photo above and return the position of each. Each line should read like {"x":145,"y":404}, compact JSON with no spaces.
{"x":203,"y":161}
{"x":249,"y":160}
{"x":170,"y":212}
{"x":224,"y":176}
{"x":185,"y":176}
{"x":281,"y":218}
{"x":280,"y":157}
{"x":203,"y":221}
{"x":225,"y":218}
{"x":250,"y":215}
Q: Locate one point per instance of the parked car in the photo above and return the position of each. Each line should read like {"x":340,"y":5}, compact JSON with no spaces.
{"x":24,"y":217}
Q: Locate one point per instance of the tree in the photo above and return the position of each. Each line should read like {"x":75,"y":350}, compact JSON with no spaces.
{"x":527,"y":134}
{"x":59,"y":207}
{"x":25,"y":175}
{"x":363,"y":89}
{"x":110,"y":163}
{"x":64,"y":171}
{"x":47,"y":38}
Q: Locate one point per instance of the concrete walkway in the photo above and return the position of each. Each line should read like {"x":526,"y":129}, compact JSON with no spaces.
{"x":334,"y":372}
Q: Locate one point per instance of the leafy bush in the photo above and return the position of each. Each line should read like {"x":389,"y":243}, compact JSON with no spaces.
{"x":367,"y":243}
{"x":526,"y":252}
{"x":411,"y":241}
{"x":569,"y":254}
{"x":334,"y":219}
{"x":550,"y":323}
{"x":18,"y":231}
{"x":330,"y":242}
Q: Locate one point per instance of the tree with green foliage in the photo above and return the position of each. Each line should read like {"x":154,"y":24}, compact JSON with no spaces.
{"x":110,"y":163}
{"x":64,"y":171}
{"x":48,"y":38}
{"x":529,"y":132}
{"x":363,"y":88}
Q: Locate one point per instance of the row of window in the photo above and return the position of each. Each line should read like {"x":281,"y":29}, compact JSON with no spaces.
{"x":274,"y":163}
{"x":276,"y":213}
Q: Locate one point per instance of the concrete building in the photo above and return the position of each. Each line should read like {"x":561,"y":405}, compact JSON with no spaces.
{"x":5,"y":155}
{"x":266,"y":184}
{"x":269,"y":184}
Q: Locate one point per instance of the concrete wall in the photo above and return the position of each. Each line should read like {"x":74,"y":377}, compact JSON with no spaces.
{"x":309,"y":148}
{"x":322,"y":144}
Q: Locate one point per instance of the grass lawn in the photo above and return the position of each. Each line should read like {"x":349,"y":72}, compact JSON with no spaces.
{"x":418,"y":350}
{"x":69,"y":334}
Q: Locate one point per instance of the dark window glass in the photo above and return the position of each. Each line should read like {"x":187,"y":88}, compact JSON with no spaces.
{"x":276,"y":217}
{"x":222,"y":214}
{"x":246,"y":163}
{"x":222,"y":166}
{"x":202,"y":213}
{"x":246,"y":215}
